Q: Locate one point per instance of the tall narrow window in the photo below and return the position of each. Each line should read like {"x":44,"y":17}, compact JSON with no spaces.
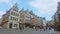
{"x":11,"y":18}
{"x":10,"y":25}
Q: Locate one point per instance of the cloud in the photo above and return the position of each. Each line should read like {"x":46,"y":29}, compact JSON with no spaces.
{"x":8,"y":2}
{"x":1,"y":13}
{"x":45,"y":7}
{"x":4,"y":1}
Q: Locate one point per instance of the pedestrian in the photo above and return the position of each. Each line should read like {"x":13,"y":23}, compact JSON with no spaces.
{"x":44,"y":28}
{"x":50,"y":30}
{"x":40,"y":28}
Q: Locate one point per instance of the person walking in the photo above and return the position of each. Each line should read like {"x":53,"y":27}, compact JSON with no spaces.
{"x":51,"y":30}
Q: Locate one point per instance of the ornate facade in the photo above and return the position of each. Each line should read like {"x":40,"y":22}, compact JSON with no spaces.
{"x":13,"y":18}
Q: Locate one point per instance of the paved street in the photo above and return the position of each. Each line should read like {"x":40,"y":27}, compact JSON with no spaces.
{"x":25,"y":31}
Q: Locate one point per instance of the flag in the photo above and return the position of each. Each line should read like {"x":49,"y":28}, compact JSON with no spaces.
{"x":31,"y":17}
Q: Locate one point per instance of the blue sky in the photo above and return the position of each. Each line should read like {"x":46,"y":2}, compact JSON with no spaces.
{"x":42,"y":8}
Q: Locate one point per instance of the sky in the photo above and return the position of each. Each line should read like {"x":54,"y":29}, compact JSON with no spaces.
{"x":42,"y":8}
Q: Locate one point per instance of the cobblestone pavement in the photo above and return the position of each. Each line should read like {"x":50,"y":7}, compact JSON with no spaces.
{"x":25,"y":31}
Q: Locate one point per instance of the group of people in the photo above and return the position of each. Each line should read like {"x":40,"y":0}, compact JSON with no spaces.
{"x":50,"y":29}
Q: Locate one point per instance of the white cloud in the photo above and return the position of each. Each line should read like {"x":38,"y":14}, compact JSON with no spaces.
{"x":45,"y":7}
{"x":1,"y":13}
{"x":8,"y":2}
{"x":4,"y":1}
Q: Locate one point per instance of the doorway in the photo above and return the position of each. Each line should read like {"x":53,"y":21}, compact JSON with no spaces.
{"x":10,"y":25}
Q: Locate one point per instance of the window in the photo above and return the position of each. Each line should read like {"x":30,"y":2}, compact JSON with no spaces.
{"x":59,"y":17}
{"x":11,"y":18}
{"x":11,"y":13}
{"x":15,"y":25}
{"x":15,"y":14}
{"x":10,"y":25}
{"x":17,"y":19}
{"x":27,"y":16}
{"x":14,"y":19}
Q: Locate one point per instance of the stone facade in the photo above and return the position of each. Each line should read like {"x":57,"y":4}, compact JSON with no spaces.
{"x":24,"y":16}
{"x":13,"y":17}
{"x":56,"y":18}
